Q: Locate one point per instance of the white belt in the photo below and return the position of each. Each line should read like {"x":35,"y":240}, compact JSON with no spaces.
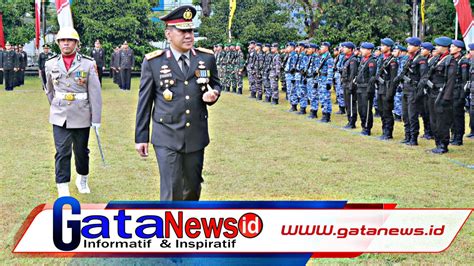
{"x":71,"y":96}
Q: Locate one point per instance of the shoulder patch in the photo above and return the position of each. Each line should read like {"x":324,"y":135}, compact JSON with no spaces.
{"x":87,"y":57}
{"x":49,"y":58}
{"x":154,"y":54}
{"x":204,"y":50}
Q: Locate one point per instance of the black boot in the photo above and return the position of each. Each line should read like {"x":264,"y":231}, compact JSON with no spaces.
{"x":342,"y":110}
{"x":413,"y":140}
{"x":326,"y":118}
{"x":252,"y":95}
{"x":350,"y":125}
{"x":457,"y":140}
{"x":293,"y":109}
{"x":471,"y":135}
{"x":267,"y":99}
{"x":274,"y":101}
{"x":440,"y":149}
{"x":384,"y":134}
{"x":259,"y":97}
{"x":302,"y":111}
{"x":407,"y":138}
{"x":377,"y":113}
{"x":365,"y":132}
{"x":313,"y":114}
{"x":240,"y":91}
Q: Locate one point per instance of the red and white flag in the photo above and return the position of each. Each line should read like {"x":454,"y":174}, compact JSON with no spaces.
{"x":2,"y":37}
{"x":37,"y":22}
{"x":466,"y":22}
{"x":64,"y":13}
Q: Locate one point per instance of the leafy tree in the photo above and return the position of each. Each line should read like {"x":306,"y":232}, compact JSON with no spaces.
{"x":18,"y":23}
{"x":116,"y":21}
{"x":253,"y":20}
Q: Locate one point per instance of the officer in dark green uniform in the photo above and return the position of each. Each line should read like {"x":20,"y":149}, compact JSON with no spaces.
{"x":176,"y":87}
{"x":10,"y":65}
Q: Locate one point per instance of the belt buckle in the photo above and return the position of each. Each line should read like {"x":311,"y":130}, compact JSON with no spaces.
{"x":69,"y":96}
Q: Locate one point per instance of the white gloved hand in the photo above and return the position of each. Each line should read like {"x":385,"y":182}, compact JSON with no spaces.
{"x":96,"y":125}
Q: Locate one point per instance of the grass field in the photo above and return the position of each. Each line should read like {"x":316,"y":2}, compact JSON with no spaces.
{"x":257,"y":152}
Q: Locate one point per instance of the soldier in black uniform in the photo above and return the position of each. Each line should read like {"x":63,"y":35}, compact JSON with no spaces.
{"x":41,"y":61}
{"x":459,"y":96}
{"x":126,"y":62}
{"x":412,"y":101}
{"x":348,"y":74}
{"x":386,"y":73}
{"x":10,"y":65}
{"x":365,"y":81}
{"x":441,"y":85}
{"x":98,"y":54}
{"x":114,"y":66}
{"x":470,"y":90}
{"x":426,"y":51}
{"x":23,"y":58}
{"x":176,"y":87}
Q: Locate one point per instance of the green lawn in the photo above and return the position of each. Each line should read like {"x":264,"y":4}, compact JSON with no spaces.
{"x":257,"y":152}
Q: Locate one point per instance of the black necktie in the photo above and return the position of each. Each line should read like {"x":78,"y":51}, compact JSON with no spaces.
{"x":184,"y":65}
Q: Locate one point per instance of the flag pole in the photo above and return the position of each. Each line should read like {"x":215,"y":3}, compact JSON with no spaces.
{"x":456,"y":22}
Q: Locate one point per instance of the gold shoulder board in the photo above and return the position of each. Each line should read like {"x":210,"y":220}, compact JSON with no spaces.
{"x":204,"y":50}
{"x":154,"y":54}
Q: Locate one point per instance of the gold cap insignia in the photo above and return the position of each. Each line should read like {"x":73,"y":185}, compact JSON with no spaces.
{"x":187,"y":15}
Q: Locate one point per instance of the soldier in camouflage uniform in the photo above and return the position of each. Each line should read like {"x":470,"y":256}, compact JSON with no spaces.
{"x":240,"y":65}
{"x":258,"y":70}
{"x":226,"y":68}
{"x":275,"y":69}
{"x":233,"y":68}
{"x":249,"y":67}
{"x":267,"y":62}
{"x":300,"y":96}
{"x":338,"y":60}
{"x":325,"y":73}
{"x":219,"y":57}
{"x":283,"y":59}
{"x":290,"y":70}
{"x":312,"y":86}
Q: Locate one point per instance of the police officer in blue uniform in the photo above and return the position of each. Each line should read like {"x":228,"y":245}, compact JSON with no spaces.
{"x":176,"y":87}
{"x":325,"y":74}
{"x":290,"y":71}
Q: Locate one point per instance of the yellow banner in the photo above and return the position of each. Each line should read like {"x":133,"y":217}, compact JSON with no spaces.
{"x":232,"y":7}
{"x":423,"y":12}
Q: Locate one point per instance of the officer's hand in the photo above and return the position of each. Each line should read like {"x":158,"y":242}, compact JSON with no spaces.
{"x":96,"y":125}
{"x":142,"y":149}
{"x":210,"y":96}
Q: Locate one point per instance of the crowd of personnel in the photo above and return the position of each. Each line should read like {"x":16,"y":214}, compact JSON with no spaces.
{"x":13,"y":62}
{"x":391,"y":81}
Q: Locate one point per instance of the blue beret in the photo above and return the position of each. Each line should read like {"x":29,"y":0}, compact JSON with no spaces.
{"x":349,"y":45}
{"x":427,"y":46}
{"x":367,"y":45}
{"x":459,"y":44}
{"x":302,"y":44}
{"x":471,"y":46}
{"x":313,"y":45}
{"x":327,"y":44}
{"x":259,"y":44}
{"x":267,"y":45}
{"x":291,"y":44}
{"x":387,"y":42}
{"x":403,"y":48}
{"x":443,"y":41}
{"x":415,"y":41}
